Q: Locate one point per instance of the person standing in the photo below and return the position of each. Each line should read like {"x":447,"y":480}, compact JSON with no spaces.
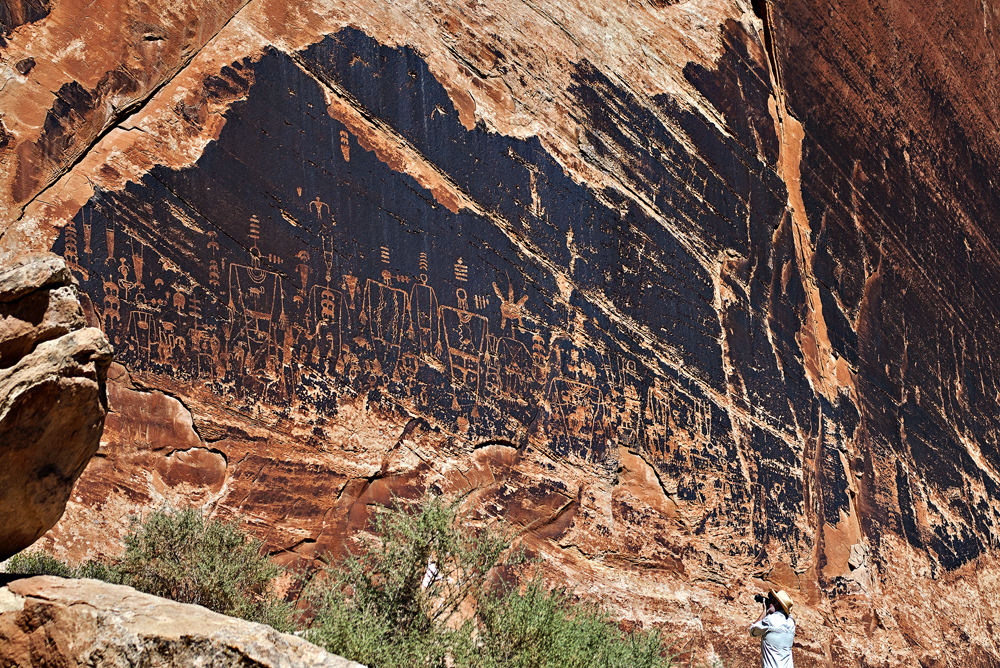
{"x":776,"y":630}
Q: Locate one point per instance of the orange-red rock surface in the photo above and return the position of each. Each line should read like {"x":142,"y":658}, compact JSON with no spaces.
{"x":700,"y":294}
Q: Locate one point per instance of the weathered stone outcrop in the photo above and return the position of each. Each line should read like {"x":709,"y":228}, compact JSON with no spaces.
{"x":15,"y":13}
{"x":699,"y":294}
{"x":53,"y":398}
{"x":50,"y":621}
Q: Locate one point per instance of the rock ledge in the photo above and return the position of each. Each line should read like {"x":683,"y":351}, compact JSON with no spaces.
{"x":47,"y":621}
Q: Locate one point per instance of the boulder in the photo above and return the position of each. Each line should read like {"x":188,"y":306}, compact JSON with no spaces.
{"x":52,"y":395}
{"x":50,"y":621}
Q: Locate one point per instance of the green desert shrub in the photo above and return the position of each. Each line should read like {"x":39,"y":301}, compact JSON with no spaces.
{"x":96,"y":569}
{"x":422,"y":589}
{"x":37,"y":563}
{"x":535,"y":627}
{"x":396,"y":601}
{"x":421,"y":593}
{"x":182,"y":556}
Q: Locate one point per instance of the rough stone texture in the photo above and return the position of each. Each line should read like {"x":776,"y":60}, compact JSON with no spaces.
{"x":701,"y":295}
{"x":50,"y":621}
{"x":53,"y":398}
{"x":15,"y":13}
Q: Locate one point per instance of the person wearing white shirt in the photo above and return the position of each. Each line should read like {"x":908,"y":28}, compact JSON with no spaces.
{"x":776,"y":630}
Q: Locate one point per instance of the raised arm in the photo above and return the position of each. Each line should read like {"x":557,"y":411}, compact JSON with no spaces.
{"x":759,"y":627}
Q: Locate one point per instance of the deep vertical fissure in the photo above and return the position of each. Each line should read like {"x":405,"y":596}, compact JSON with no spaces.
{"x":762,"y":10}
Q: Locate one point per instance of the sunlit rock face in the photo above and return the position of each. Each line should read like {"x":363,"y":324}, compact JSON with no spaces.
{"x":697,"y":295}
{"x":51,"y":620}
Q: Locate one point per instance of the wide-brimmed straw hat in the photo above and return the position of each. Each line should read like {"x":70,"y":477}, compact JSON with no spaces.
{"x":782,"y":599}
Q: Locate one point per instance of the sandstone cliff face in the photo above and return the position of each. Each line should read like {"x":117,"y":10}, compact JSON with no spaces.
{"x":50,"y":621}
{"x":698,"y":294}
{"x":52,"y":395}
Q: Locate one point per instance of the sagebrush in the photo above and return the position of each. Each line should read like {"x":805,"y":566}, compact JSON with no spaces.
{"x":422,"y":588}
{"x":422,"y":592}
{"x":182,"y":556}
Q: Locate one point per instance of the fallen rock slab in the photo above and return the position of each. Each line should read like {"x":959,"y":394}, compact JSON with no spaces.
{"x":53,"y":398}
{"x":51,"y":621}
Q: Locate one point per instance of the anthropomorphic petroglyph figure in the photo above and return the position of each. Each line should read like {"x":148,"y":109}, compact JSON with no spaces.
{"x":144,"y":335}
{"x":424,"y":317}
{"x":304,"y":270}
{"x":112,"y":307}
{"x":323,"y":320}
{"x":109,"y":236}
{"x":124,"y":281}
{"x":574,"y":424}
{"x":137,"y":263}
{"x":256,"y":305}
{"x":465,"y":338}
{"x":657,"y":431}
{"x":318,"y":205}
{"x":351,"y":285}
{"x":511,"y":375}
{"x":88,"y":220}
{"x":385,"y":316}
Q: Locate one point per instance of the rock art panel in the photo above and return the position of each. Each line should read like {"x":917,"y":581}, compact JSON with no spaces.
{"x":303,"y":294}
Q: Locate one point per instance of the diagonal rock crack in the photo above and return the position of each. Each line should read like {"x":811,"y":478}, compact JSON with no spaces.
{"x":117,"y":118}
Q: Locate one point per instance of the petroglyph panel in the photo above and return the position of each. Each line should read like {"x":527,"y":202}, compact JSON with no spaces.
{"x":291,"y":268}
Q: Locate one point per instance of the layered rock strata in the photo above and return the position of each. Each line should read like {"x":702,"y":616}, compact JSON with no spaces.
{"x":53,"y":398}
{"x":50,"y":621}
{"x":699,"y":295}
